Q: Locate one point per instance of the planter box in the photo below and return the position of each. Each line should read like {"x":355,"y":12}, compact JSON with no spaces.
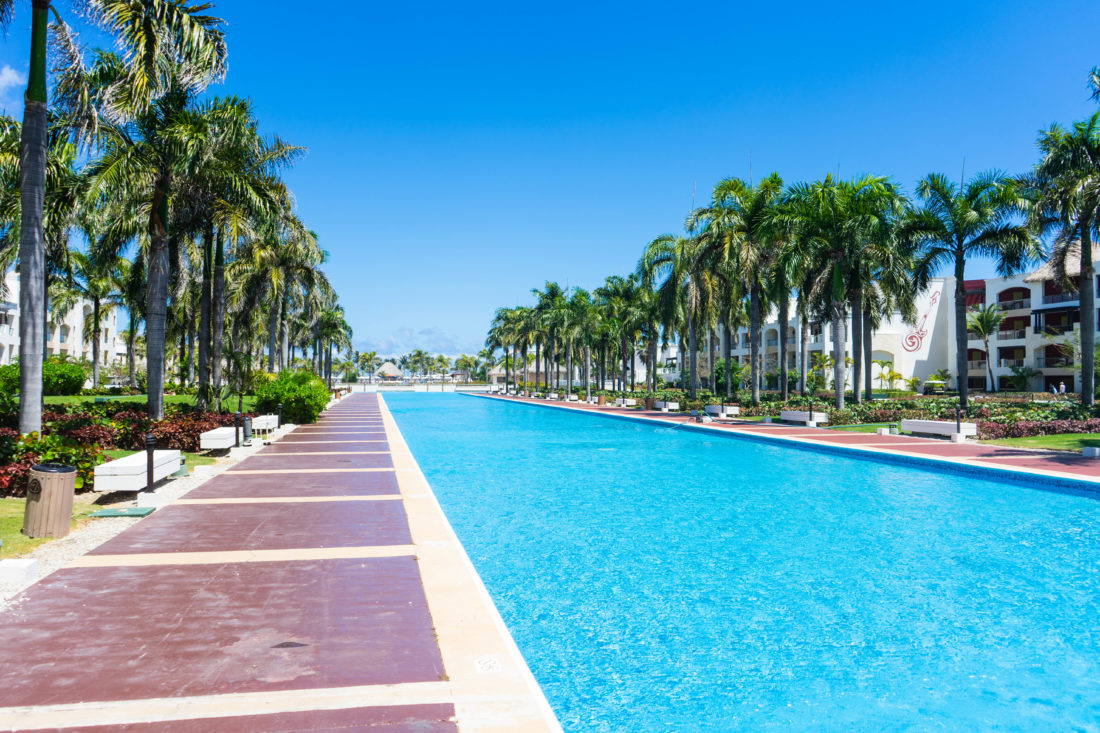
{"x":601,"y":400}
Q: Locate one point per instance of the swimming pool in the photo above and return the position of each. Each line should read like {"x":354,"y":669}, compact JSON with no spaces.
{"x":663,"y":579}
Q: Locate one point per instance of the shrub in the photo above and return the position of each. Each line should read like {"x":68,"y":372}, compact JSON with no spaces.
{"x":29,"y":450}
{"x":302,"y":394}
{"x":61,"y":377}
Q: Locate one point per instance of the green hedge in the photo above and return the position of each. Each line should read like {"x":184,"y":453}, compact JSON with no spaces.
{"x":302,"y":394}
{"x":59,"y":377}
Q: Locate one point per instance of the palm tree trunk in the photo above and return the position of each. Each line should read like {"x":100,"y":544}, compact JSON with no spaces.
{"x":868,"y":334}
{"x":728,"y":358}
{"x":693,"y":357}
{"x":1088,"y":317}
{"x":156,"y":308}
{"x":95,"y":343}
{"x":711,"y":355}
{"x":217,"y":315}
{"x":569,"y":368}
{"x":190,"y":351}
{"x":328,"y":364}
{"x":538,"y":364}
{"x":273,"y":329}
{"x":32,"y":246}
{"x":754,"y":342}
{"x":988,"y":365}
{"x":131,"y":353}
{"x":284,"y":332}
{"x":857,"y":345}
{"x":202,"y":396}
{"x":587,"y":372}
{"x":181,"y":356}
{"x":784,"y":319}
{"x":653,"y":359}
{"x":960,"y":326}
{"x":804,"y":352}
{"x":839,"y":335}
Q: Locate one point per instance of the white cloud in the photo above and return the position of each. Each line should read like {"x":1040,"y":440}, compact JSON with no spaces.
{"x":12,"y":83}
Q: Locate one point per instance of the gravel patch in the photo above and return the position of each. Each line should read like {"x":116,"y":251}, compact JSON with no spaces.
{"x":57,"y":554}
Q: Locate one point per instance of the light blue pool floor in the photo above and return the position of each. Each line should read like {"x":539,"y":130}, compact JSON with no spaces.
{"x":660,"y":579}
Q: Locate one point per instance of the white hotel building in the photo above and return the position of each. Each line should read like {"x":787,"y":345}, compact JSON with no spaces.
{"x":66,"y":337}
{"x":1039,"y":319}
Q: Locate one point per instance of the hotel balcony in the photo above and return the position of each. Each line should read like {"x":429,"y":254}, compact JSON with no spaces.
{"x":1009,"y":363}
{"x":1015,"y":305}
{"x":1019,"y":333}
{"x":771,"y":342}
{"x":976,"y":364}
{"x":1061,"y":298}
{"x":1054,"y":362}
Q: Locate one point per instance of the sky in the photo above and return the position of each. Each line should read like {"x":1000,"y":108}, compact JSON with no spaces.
{"x":462,"y":154}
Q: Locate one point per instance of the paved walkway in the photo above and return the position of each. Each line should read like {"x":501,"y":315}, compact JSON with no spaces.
{"x":1026,"y":463}
{"x":313,"y":586}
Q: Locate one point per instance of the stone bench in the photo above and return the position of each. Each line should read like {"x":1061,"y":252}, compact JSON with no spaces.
{"x":722,"y":410}
{"x":626,"y":402}
{"x":803,"y":416}
{"x":957,"y":433}
{"x":265,"y":424}
{"x":666,"y":406}
{"x":128,"y":474}
{"x":218,"y":439}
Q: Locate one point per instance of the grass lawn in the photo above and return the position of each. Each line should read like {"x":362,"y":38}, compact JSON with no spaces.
{"x":229,"y":405}
{"x":11,"y":521}
{"x":868,"y":428}
{"x":193,"y":459}
{"x":1067,"y":442}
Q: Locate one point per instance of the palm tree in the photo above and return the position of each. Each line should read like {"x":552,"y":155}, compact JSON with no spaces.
{"x":549,"y":308}
{"x":673,"y":266}
{"x":368,"y":362}
{"x":838,"y":220}
{"x":738,"y":228}
{"x":149,"y":32}
{"x":978,"y":218}
{"x":100,"y":280}
{"x":984,"y":321}
{"x":1066,"y":182}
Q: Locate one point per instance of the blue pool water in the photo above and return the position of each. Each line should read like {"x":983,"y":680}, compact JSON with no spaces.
{"x":662,"y":579}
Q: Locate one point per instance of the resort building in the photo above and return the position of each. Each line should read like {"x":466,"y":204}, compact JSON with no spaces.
{"x":64,"y":335}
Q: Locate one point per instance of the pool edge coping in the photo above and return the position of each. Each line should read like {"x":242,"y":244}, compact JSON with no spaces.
{"x":456,"y":603}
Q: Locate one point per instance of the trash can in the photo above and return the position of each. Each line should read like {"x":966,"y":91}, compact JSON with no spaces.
{"x":49,"y":509}
{"x":246,"y":433}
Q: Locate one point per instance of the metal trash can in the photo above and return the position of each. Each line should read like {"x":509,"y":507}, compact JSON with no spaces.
{"x":246,"y":434}
{"x":49,"y":509}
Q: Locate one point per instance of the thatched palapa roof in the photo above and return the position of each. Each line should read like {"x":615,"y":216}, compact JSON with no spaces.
{"x":1073,"y":264}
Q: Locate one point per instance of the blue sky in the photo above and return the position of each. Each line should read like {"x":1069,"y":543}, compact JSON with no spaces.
{"x":462,"y":154}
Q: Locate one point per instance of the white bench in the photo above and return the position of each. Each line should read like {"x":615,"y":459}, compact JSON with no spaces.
{"x":552,"y":396}
{"x":723,"y":410}
{"x":803,"y":416}
{"x":666,"y":406}
{"x":573,"y":398}
{"x":128,"y":474}
{"x":941,"y":427}
{"x":626,"y":402}
{"x":218,"y":439}
{"x":265,"y":424}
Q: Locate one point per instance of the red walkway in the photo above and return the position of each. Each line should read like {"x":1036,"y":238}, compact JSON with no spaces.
{"x":282,"y":595}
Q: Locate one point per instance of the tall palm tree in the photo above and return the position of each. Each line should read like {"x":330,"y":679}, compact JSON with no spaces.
{"x":368,"y":362}
{"x":980,"y":217}
{"x":684,"y":285}
{"x":149,"y":32}
{"x":549,"y":309}
{"x":738,"y":227}
{"x":1067,"y":183}
{"x":984,"y":322}
{"x":98,"y":279}
{"x":838,"y":220}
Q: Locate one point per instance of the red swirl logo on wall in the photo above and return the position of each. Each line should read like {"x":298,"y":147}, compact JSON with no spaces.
{"x":915,"y":338}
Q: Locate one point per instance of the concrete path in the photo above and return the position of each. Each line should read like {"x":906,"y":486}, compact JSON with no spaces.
{"x":314,"y":586}
{"x":1025,"y":463}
